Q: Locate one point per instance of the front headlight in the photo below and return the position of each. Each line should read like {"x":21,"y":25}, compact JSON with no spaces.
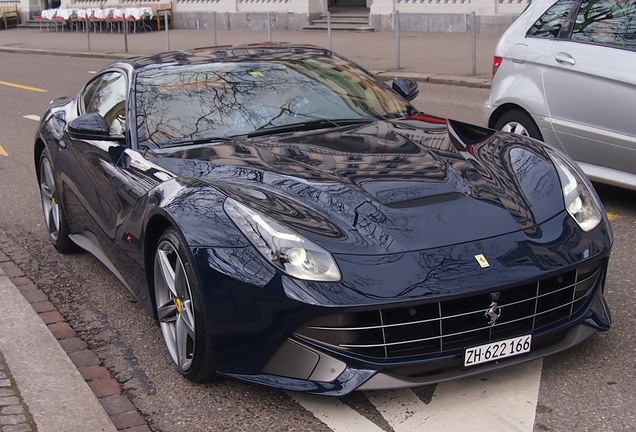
{"x":284,"y":248}
{"x":580,"y":200}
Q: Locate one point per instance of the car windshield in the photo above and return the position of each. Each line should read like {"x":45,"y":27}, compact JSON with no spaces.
{"x":195,"y":103}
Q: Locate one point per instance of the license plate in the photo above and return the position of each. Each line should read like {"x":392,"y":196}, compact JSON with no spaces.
{"x":497,"y":350}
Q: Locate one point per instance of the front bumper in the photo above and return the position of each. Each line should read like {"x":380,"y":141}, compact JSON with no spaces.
{"x":351,"y":379}
{"x":327,"y":373}
{"x":259,"y":316}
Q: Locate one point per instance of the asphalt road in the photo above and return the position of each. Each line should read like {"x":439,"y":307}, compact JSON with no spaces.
{"x":591,"y":387}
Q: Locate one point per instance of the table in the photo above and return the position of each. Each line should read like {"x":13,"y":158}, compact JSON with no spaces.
{"x":97,"y":16}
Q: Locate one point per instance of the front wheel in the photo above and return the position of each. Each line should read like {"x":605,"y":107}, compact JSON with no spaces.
{"x":54,"y":215}
{"x":183,"y":323}
{"x":520,"y":123}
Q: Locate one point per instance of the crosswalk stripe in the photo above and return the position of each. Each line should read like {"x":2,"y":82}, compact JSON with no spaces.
{"x":404,"y":411}
{"x":336,"y":415}
{"x":507,"y":401}
{"x":503,"y":400}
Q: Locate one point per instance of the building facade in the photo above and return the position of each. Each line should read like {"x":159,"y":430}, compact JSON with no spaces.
{"x":415,"y":15}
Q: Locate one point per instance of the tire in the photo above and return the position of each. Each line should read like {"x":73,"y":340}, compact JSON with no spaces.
{"x":53,"y":209}
{"x":518,"y":122}
{"x":185,"y":328}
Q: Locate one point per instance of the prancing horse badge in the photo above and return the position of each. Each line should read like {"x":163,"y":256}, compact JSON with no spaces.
{"x":483,"y":262}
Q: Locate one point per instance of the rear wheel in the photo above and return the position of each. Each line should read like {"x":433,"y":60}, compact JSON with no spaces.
{"x":184,"y":325}
{"x":520,"y":123}
{"x":54,"y":215}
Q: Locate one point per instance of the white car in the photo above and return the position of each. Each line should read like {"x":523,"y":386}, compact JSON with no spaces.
{"x":565,"y":73}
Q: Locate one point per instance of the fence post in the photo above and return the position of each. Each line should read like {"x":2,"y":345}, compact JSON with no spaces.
{"x":88,"y":33}
{"x":214,"y":26}
{"x":396,"y":24}
{"x":329,"y":30}
{"x":474,"y":43}
{"x":165,"y":21}
{"x":125,"y":32}
{"x":269,"y":26}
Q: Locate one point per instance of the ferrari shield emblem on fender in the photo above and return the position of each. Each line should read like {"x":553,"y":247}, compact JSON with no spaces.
{"x":483,"y":262}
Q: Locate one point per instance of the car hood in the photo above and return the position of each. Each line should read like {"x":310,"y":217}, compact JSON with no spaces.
{"x":385,"y":186}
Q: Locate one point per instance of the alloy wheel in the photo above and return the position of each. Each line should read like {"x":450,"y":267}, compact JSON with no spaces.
{"x":50,"y":206}
{"x":516,"y":128}
{"x":174,"y":305}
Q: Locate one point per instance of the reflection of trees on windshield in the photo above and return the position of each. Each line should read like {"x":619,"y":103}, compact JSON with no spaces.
{"x":194,"y":105}
{"x":219,"y":100}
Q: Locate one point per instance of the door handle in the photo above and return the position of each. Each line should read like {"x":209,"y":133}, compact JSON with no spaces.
{"x":565,"y":58}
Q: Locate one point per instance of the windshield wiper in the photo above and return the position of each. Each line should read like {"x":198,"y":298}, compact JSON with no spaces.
{"x":308,"y":125}
{"x":186,"y":141}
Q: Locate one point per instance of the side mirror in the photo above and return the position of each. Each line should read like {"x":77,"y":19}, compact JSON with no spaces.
{"x":406,"y":88}
{"x":89,"y":126}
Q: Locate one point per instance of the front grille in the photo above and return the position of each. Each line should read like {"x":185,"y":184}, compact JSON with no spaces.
{"x":436,"y":327}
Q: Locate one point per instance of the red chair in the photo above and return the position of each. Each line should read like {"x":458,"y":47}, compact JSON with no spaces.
{"x":58,"y":20}
{"x":43,"y":22}
{"x":98,"y":16}
{"x":79,"y":20}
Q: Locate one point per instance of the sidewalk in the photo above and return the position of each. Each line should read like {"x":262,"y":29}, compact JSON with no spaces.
{"x":49,"y":380}
{"x":51,"y":390}
{"x":433,"y":57}
{"x":41,"y":388}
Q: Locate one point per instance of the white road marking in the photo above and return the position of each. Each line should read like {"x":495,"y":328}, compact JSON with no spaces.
{"x":92,"y":72}
{"x":503,"y":400}
{"x":32,"y":117}
{"x":338,"y":416}
{"x":402,"y":409}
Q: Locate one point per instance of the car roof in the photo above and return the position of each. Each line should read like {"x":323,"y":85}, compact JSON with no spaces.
{"x":224,"y":53}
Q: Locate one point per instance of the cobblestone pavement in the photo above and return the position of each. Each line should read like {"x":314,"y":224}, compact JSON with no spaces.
{"x":14,"y":414}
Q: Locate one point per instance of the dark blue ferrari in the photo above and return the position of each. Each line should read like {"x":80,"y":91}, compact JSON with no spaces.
{"x":290,"y":220}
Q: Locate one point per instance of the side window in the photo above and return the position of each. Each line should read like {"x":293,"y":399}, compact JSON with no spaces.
{"x":106,"y":95}
{"x":607,"y":22}
{"x":553,"y":20}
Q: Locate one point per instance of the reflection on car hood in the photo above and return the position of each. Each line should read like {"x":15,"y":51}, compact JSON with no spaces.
{"x":385,"y":187}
